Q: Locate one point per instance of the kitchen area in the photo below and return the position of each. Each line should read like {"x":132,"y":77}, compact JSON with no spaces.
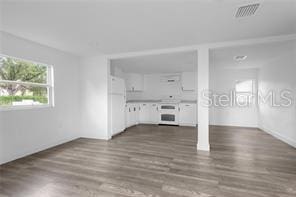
{"x":156,"y":89}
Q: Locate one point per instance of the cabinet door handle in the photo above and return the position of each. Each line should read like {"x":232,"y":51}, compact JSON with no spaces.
{"x":187,"y":105}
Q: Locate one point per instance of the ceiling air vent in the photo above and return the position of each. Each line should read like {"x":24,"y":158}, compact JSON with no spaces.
{"x":247,"y":10}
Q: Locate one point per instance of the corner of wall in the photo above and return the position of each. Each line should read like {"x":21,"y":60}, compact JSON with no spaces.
{"x":277,"y":135}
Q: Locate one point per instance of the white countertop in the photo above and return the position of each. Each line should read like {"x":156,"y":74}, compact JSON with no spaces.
{"x":159,"y":101}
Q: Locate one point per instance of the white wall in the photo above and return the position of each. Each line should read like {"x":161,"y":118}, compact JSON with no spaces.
{"x":23,"y":132}
{"x":277,"y":75}
{"x":223,"y":81}
{"x":155,"y":89}
{"x":95,"y":98}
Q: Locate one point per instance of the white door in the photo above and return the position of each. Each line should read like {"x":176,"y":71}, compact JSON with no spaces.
{"x":187,"y":114}
{"x":154,"y":113}
{"x":118,"y":110}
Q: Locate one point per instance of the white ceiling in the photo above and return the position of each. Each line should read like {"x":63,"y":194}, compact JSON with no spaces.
{"x":113,"y":26}
{"x":257,"y":56}
{"x":164,"y":63}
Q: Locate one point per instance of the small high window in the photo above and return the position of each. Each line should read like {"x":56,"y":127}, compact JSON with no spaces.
{"x":25,"y":84}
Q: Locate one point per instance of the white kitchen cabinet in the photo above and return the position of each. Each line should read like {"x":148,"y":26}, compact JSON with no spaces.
{"x":137,"y":115}
{"x":154,"y":113}
{"x":117,"y":85}
{"x":134,"y":82}
{"x":132,"y":114}
{"x":127,"y":115}
{"x":144,"y":114}
{"x":188,"y":81}
{"x":187,"y":114}
{"x":149,"y":113}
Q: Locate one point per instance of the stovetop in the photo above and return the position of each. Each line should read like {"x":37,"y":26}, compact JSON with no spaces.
{"x":170,"y":101}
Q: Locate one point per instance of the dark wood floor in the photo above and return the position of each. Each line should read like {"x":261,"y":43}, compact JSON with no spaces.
{"x":150,"y":160}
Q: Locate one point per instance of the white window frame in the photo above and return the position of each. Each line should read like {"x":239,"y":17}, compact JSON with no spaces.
{"x":49,"y":85}
{"x":248,"y":94}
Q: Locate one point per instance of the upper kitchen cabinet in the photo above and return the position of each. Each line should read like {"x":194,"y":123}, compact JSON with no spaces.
{"x":117,"y":85}
{"x":188,"y":82}
{"x":134,"y":82}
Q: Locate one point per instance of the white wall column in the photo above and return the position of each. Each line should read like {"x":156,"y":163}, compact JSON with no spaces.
{"x":203,"y":108}
{"x":95,"y":99}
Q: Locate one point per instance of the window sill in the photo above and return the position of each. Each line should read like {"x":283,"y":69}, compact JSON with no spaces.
{"x":24,"y":107}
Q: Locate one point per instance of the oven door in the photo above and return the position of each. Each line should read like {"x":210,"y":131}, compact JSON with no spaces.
{"x":169,"y":114}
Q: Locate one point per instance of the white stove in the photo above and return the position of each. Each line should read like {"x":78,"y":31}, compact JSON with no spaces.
{"x":169,"y":112}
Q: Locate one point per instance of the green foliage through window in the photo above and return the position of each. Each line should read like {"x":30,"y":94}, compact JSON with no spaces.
{"x":19,"y":81}
{"x":8,"y":100}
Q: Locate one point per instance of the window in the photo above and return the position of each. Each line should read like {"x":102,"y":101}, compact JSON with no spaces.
{"x":24,"y":84}
{"x":244,"y":92}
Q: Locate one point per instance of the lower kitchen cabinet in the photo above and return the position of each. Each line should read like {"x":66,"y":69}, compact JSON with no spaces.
{"x":127,"y":115}
{"x":187,"y":114}
{"x":149,"y":113}
{"x":154,"y":113}
{"x":132,"y":114}
{"x":144,"y":113}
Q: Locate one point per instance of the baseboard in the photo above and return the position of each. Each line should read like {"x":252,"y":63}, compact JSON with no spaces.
{"x":287,"y":140}
{"x":117,"y":134}
{"x":148,"y":123}
{"x":203,"y":147}
{"x":188,"y":125}
{"x":154,"y":123}
{"x":234,"y":126}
